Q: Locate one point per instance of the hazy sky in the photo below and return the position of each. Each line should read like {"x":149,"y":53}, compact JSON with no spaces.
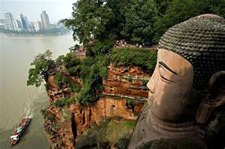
{"x":56,"y":9}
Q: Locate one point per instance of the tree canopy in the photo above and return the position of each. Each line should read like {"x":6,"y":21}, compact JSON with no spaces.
{"x":139,"y":18}
{"x":137,"y":21}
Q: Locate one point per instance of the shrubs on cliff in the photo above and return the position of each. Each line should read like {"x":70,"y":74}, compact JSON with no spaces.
{"x":94,"y":68}
{"x":48,"y":115}
{"x":99,"y":47}
{"x":61,"y":102}
{"x":70,"y":62}
{"x":65,"y":81}
{"x":92,"y":85}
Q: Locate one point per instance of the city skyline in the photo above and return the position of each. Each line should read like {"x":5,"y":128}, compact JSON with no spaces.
{"x":19,"y":16}
{"x":22,"y":23}
{"x":57,"y":9}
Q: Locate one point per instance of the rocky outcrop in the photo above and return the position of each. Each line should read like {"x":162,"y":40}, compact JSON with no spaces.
{"x":123,"y":96}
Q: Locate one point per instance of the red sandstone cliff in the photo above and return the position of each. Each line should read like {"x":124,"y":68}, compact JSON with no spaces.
{"x":124,"y":85}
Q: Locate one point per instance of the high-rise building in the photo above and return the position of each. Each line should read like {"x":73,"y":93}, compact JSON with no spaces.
{"x":9,"y":21}
{"x":19,"y":24}
{"x":2,"y":23}
{"x":37,"y":26}
{"x":45,"y":20}
{"x":24,"y":22}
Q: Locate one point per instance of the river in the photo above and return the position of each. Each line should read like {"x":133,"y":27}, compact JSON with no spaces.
{"x":16,"y":54}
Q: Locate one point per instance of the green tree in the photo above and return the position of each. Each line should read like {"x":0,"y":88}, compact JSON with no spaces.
{"x":139,"y":21}
{"x":96,"y":19}
{"x":72,"y":64}
{"x":42,"y":63}
{"x":88,"y":18}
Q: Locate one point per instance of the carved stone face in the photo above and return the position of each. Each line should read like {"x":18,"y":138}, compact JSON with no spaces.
{"x":170,"y":86}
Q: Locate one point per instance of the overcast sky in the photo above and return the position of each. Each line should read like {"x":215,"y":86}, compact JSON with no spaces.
{"x":56,"y":9}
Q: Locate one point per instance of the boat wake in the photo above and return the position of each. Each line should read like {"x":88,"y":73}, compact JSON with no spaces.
{"x":28,"y":110}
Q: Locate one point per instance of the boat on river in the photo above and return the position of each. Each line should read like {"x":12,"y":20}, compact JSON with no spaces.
{"x":20,"y":129}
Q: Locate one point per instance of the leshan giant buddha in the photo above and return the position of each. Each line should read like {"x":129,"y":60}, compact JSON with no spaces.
{"x":186,"y":101}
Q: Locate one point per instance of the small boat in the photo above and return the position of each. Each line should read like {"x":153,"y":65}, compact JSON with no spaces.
{"x":20,"y":130}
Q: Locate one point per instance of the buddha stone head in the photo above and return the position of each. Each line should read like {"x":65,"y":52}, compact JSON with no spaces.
{"x":201,"y":41}
{"x":191,"y":54}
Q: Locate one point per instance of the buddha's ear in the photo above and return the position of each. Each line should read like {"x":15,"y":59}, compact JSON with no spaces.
{"x":216,"y":81}
{"x":214,"y":99}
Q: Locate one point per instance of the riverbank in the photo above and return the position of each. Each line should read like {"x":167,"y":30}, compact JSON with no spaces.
{"x":51,"y":32}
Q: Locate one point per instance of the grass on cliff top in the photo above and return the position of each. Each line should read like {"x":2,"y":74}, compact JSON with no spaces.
{"x":107,"y":133}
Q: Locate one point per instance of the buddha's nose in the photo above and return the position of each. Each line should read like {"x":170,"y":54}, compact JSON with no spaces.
{"x":152,"y":83}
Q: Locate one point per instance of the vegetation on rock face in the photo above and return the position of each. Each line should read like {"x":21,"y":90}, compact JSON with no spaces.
{"x":99,"y":47}
{"x":91,"y":70}
{"x":62,"y":80}
{"x":72,"y":64}
{"x":94,"y":68}
{"x":61,"y":102}
{"x":48,"y":115}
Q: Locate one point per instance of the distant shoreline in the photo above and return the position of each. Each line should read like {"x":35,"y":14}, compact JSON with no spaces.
{"x":34,"y":34}
{"x":59,"y":32}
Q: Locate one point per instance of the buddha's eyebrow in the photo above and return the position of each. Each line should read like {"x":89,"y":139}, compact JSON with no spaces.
{"x":164,"y":65}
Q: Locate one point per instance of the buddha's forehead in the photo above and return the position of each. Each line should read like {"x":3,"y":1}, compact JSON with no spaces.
{"x":174,"y":61}
{"x":201,"y":41}
{"x":168,"y":55}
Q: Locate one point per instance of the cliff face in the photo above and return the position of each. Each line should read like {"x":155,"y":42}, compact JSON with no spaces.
{"x":126,"y":81}
{"x":123,"y":96}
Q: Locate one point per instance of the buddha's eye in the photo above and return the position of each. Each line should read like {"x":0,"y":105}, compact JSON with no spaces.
{"x":166,"y":74}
